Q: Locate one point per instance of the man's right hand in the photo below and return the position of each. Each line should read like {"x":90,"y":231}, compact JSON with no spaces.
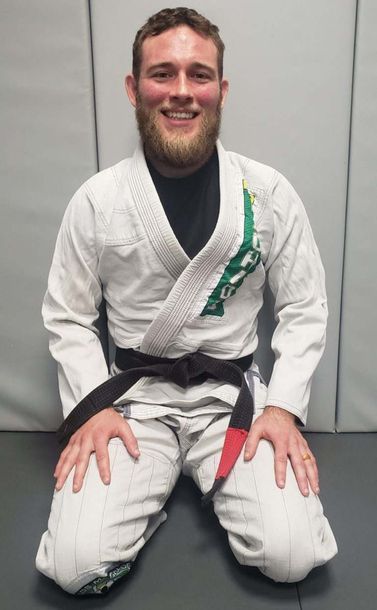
{"x":94,"y":436}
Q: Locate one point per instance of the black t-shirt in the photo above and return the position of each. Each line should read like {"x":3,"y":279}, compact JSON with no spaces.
{"x":191,"y":203}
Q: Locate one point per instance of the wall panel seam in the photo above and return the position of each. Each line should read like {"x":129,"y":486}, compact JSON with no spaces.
{"x":337,"y":406}
{"x":102,"y":311}
{"x":93,"y":82}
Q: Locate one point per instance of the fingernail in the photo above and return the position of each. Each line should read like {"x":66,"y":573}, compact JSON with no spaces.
{"x":75,"y":488}
{"x":281,"y":484}
{"x":306,"y":492}
{"x":106,"y":480}
{"x":247,"y":455}
{"x":317,"y":490}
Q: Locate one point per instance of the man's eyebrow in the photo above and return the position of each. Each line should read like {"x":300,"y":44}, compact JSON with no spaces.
{"x":197,"y":65}
{"x":164,"y":65}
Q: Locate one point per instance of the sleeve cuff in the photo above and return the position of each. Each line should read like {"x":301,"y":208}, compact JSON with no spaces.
{"x":300,"y":415}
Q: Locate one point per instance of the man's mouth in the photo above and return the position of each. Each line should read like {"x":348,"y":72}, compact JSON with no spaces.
{"x":179,"y":116}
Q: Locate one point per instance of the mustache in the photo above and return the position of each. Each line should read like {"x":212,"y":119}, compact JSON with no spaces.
{"x":166,"y":108}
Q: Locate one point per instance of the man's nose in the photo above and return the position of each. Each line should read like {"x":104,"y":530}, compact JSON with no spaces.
{"x":182,"y":88}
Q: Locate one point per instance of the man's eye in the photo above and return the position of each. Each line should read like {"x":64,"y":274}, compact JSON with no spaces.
{"x":201,"y":76}
{"x":161,"y":75}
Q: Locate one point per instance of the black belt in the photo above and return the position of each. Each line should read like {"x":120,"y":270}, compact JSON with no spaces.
{"x":187,"y":370}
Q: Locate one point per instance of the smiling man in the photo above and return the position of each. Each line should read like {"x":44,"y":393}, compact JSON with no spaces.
{"x":179,"y":240}
{"x":178,"y":102}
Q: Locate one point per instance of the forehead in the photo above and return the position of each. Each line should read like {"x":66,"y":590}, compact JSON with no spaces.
{"x":179,"y":45}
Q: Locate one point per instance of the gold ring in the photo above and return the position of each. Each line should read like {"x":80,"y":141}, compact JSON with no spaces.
{"x":306,"y":456}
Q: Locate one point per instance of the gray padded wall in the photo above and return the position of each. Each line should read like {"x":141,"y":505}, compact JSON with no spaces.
{"x":290,"y":66}
{"x":357,"y":372}
{"x":48,"y":149}
{"x":290,"y":71}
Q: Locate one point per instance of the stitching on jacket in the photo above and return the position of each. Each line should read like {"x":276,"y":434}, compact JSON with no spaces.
{"x":115,"y":175}
{"x":96,"y":205}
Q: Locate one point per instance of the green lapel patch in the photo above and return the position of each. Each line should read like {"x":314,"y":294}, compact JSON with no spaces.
{"x":243,"y":263}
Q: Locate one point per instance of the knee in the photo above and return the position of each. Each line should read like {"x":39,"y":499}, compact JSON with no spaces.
{"x":70,"y":566}
{"x":291,"y":552}
{"x":283,"y":563}
{"x":276,"y":558}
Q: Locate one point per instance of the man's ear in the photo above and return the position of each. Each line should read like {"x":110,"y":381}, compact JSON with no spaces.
{"x":131,"y":88}
{"x":224,"y":91}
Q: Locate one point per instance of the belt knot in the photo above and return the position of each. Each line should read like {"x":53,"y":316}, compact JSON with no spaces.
{"x":181,"y":371}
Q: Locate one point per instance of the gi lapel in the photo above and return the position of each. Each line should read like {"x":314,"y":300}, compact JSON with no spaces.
{"x":197,"y":278}
{"x":165,"y":244}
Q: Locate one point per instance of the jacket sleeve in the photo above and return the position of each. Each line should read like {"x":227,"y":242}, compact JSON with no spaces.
{"x":297,"y":280}
{"x":71,"y":304}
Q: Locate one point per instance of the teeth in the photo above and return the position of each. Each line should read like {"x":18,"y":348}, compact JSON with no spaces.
{"x":180,"y":115}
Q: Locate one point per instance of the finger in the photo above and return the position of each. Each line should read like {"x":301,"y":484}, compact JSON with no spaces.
{"x":280,"y":464}
{"x":66,"y":466}
{"x":312,"y":474}
{"x":81,"y":466}
{"x":299,"y":470}
{"x":58,"y":466}
{"x":103,"y":461}
{"x":129,"y":439}
{"x":61,"y":460}
{"x":251,"y":444}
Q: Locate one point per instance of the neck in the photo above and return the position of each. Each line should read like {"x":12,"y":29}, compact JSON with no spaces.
{"x":170,"y":171}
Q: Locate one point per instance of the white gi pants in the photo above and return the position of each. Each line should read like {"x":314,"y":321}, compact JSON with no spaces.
{"x":281,"y":532}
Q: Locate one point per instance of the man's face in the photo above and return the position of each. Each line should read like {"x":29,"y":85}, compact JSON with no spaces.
{"x":178,"y":98}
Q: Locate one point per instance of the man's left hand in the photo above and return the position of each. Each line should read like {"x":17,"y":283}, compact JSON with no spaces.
{"x":278,"y":426}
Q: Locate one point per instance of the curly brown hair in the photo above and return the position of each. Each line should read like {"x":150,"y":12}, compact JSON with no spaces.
{"x":169,"y":18}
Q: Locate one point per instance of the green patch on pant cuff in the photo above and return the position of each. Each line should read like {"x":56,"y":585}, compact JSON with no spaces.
{"x":101,"y":584}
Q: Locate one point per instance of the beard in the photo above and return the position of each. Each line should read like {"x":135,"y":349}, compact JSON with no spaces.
{"x":178,"y":150}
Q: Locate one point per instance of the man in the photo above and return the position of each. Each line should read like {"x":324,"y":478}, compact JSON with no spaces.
{"x":178,"y":240}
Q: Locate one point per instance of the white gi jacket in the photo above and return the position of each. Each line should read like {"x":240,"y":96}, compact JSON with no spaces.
{"x":115,"y":241}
